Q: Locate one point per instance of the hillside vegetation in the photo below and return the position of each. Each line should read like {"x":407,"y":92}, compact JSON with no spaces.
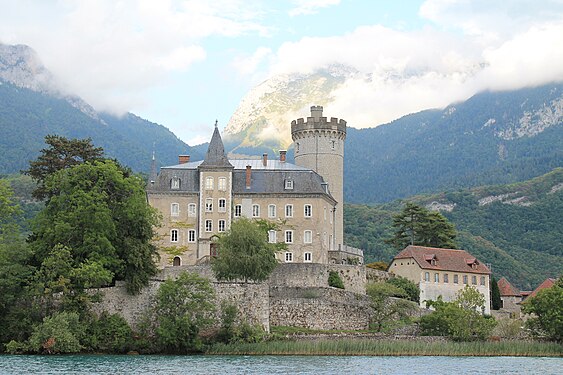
{"x":26,"y":117}
{"x":516,"y":228}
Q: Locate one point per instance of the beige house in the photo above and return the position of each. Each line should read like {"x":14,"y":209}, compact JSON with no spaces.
{"x":442,"y":272}
{"x":199,"y":200}
{"x":510,"y":296}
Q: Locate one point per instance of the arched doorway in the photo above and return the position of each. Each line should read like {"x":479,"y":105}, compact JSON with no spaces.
{"x":177,"y":261}
{"x":214,"y":247}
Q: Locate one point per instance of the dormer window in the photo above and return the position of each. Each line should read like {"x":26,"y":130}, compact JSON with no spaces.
{"x":175,"y":183}
{"x":431,"y":258}
{"x":288,"y":184}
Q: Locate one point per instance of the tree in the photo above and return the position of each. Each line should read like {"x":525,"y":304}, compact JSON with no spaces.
{"x":415,"y":225}
{"x":101,"y":216}
{"x":385,"y":306}
{"x":496,"y":302}
{"x":334,"y":280}
{"x":461,"y":319}
{"x":183,"y":307}
{"x":62,"y":153}
{"x":411,"y":290}
{"x":547,"y":308}
{"x":244,"y":253}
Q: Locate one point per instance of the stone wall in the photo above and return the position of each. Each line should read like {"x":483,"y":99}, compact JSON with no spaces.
{"x":252,"y":301}
{"x":318,"y":308}
{"x":376,"y":276}
{"x":316,"y":275}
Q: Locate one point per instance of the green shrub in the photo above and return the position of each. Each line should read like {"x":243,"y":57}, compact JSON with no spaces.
{"x":109,"y":333}
{"x":410,"y":288}
{"x":334,"y":280}
{"x":59,"y":333}
{"x":380,"y":265}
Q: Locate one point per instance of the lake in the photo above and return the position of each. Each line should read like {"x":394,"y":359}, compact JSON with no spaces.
{"x":208,"y":365}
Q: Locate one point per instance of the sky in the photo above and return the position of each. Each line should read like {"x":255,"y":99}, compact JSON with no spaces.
{"x":185,"y":64}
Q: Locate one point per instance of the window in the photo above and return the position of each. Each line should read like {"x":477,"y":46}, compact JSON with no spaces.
{"x":174,"y":209}
{"x":272,"y":210}
{"x":465,"y":279}
{"x":288,"y":236}
{"x":426,"y":276}
{"x":324,"y":213}
{"x":307,"y":257}
{"x":288,"y":257}
{"x":238,"y":210}
{"x":209,"y":183}
{"x":288,"y":210}
{"x":209,"y":225}
{"x":221,"y":226}
{"x":474,"y":280}
{"x":272,"y":236}
{"x":333,"y":144}
{"x":222,"y":184}
{"x":297,"y":147}
{"x":191,"y":209}
{"x":307,"y":236}
{"x":446,"y":278}
{"x":208,"y":204}
{"x":255,"y":210}
{"x":482,"y":280}
{"x":175,"y":183}
{"x":222,"y":205}
{"x":308,"y":210}
{"x":191,"y":235}
{"x":288,"y":184}
{"x":174,"y":235}
{"x":456,"y":279}
{"x":436,"y":277}
{"x":330,"y":216}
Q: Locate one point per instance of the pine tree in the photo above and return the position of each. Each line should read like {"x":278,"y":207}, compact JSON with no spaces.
{"x":415,"y":225}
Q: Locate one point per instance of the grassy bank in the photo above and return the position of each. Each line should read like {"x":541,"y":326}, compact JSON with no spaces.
{"x":392,"y":348}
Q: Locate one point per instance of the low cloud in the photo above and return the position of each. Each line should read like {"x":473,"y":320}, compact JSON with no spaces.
{"x":306,"y":7}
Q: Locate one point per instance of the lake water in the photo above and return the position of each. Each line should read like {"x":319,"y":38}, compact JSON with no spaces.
{"x":208,"y":365}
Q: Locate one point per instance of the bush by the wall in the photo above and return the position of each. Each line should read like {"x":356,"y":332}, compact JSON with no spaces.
{"x":334,"y":280}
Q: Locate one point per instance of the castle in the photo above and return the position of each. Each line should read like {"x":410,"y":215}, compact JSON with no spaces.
{"x":198,"y":200}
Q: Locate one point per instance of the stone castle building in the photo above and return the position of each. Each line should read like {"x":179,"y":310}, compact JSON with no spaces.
{"x":199,"y":200}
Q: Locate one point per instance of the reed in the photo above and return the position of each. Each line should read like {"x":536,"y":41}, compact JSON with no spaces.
{"x":392,"y":348}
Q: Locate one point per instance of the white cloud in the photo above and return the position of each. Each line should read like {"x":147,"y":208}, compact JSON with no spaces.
{"x":112,"y":53}
{"x":247,"y":65}
{"x":306,"y":7}
{"x":472,"y":46}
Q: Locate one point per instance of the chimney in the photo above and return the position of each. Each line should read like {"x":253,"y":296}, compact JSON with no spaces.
{"x":248,"y":176}
{"x":265,"y":159}
{"x":317,"y":112}
{"x":183,"y":159}
{"x":282,"y":155}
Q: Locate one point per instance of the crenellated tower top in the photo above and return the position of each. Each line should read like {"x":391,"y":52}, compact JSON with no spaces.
{"x":317,"y":123}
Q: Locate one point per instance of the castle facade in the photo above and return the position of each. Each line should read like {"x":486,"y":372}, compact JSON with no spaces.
{"x":199,"y":200}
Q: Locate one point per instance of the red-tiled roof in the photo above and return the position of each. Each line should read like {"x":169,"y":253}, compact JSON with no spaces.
{"x":548,"y":283}
{"x":506,"y":289}
{"x":445,"y":259}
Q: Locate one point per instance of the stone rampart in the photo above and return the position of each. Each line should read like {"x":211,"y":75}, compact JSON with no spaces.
{"x":322,"y":308}
{"x":316,"y":275}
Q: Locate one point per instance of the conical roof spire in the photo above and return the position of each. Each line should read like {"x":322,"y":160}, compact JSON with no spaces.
{"x":153,"y":173}
{"x":215,"y":156}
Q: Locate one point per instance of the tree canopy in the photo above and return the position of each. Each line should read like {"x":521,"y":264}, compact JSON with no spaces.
{"x":416,"y":225}
{"x":101,"y":217}
{"x":244,"y":252}
{"x":62,"y":153}
{"x":547,"y":307}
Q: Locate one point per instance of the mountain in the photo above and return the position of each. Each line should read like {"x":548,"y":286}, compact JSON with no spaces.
{"x":263,"y":117}
{"x":516,"y":228}
{"x":31,"y":106}
{"x":491,"y":138}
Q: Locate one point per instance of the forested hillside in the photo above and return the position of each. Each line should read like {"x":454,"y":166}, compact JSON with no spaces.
{"x":517,"y":228}
{"x":492,"y":138}
{"x":27,"y":116}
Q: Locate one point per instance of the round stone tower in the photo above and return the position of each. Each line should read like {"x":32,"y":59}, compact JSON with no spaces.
{"x":319,"y":145}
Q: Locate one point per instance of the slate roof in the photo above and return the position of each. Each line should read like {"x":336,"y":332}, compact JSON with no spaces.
{"x":548,"y":283}
{"x":268,"y":179}
{"x":215,"y":157}
{"x":507,"y":289}
{"x":446,"y":259}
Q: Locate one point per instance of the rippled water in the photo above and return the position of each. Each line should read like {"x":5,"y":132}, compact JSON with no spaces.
{"x":207,"y":365}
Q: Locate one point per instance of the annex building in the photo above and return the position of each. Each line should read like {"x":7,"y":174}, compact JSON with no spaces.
{"x":200,"y":199}
{"x":442,"y":272}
